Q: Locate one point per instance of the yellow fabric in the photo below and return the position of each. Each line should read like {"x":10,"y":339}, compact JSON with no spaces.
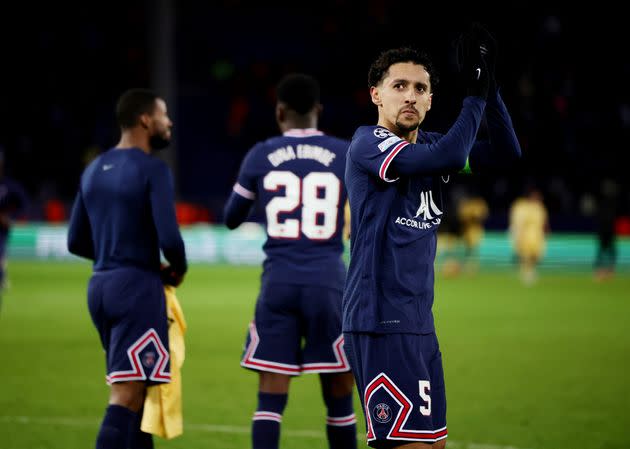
{"x":163,"y":404}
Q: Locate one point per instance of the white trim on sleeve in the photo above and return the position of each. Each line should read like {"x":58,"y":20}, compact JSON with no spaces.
{"x":244,"y":192}
{"x":388,"y":160}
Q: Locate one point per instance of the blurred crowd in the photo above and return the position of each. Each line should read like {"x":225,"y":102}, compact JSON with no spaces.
{"x":561,"y":76}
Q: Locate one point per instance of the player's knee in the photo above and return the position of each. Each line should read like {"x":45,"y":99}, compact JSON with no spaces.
{"x":274,"y":383}
{"x":337,"y":385}
{"x":128,"y":394}
{"x":439,"y":445}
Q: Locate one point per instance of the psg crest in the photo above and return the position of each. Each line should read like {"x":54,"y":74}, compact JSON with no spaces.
{"x":148,"y":359}
{"x":382,"y":413}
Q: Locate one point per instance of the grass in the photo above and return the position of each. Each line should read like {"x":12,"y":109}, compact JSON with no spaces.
{"x":544,"y":367}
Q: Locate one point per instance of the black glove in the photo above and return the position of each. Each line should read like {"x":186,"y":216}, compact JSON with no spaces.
{"x":472,"y":45}
{"x":478,"y":79}
{"x":488,"y":48}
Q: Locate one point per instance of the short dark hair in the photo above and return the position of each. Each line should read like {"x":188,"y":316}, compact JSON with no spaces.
{"x":132,"y":104}
{"x":300,"y":92}
{"x":379,"y":68}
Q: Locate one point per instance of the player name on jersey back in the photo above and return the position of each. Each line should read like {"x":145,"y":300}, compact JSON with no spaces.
{"x":301,"y":151}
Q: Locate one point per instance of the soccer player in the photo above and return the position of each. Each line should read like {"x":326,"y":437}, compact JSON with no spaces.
{"x":298,"y":179}
{"x":12,"y":202}
{"x":528,"y":226}
{"x":123,"y":215}
{"x":472,"y":212}
{"x":606,"y":213}
{"x":394,"y":176}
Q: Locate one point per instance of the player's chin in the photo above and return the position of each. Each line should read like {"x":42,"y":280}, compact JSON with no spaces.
{"x":407,"y":124}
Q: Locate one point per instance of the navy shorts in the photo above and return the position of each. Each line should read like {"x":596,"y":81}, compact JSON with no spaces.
{"x":296,"y":329}
{"x":401,"y":384}
{"x":128,"y":308}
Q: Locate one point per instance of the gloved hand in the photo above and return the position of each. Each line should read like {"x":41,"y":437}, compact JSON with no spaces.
{"x":474,"y":47}
{"x":488,"y":49}
{"x":478,"y":78}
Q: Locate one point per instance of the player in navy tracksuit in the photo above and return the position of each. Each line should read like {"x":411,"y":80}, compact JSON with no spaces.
{"x":124,"y":213}
{"x":298,"y":179}
{"x":394,"y":176}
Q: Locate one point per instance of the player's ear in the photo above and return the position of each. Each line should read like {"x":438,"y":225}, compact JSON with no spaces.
{"x":319,"y":108}
{"x":145,"y":121}
{"x":280,"y":113}
{"x":430,"y":101}
{"x":376,"y":97}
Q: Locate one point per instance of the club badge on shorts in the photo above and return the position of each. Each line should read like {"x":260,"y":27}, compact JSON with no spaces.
{"x":148,"y":360}
{"x":382,"y":413}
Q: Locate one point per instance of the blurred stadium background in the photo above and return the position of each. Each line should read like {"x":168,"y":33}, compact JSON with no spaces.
{"x":536,"y":367}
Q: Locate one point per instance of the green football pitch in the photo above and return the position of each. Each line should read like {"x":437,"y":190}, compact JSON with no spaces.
{"x":541,"y":367}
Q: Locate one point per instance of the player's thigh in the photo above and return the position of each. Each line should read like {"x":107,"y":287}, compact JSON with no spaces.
{"x":96,"y":286}
{"x":323,"y":350}
{"x":401,"y":384}
{"x":273,"y":338}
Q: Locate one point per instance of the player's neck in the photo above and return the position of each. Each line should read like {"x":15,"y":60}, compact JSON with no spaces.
{"x":298,"y":122}
{"x":409,"y":136}
{"x":288,"y":126}
{"x":132,"y":138}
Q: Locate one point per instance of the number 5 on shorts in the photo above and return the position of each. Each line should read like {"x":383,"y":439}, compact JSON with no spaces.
{"x":425,"y":394}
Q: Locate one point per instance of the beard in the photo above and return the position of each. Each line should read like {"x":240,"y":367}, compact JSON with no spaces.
{"x":159,"y":142}
{"x":409,"y":126}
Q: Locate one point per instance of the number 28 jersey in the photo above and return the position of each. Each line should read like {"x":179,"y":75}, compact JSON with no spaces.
{"x":297,"y":178}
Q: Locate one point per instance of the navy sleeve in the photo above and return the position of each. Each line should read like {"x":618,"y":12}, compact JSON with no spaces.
{"x":244,"y":192}
{"x":449,"y":153}
{"x":163,"y":208}
{"x":236,"y":210}
{"x":502,"y":149}
{"x":445,"y":155}
{"x":79,"y":231}
{"x":374,"y":149}
{"x":246,"y":184}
